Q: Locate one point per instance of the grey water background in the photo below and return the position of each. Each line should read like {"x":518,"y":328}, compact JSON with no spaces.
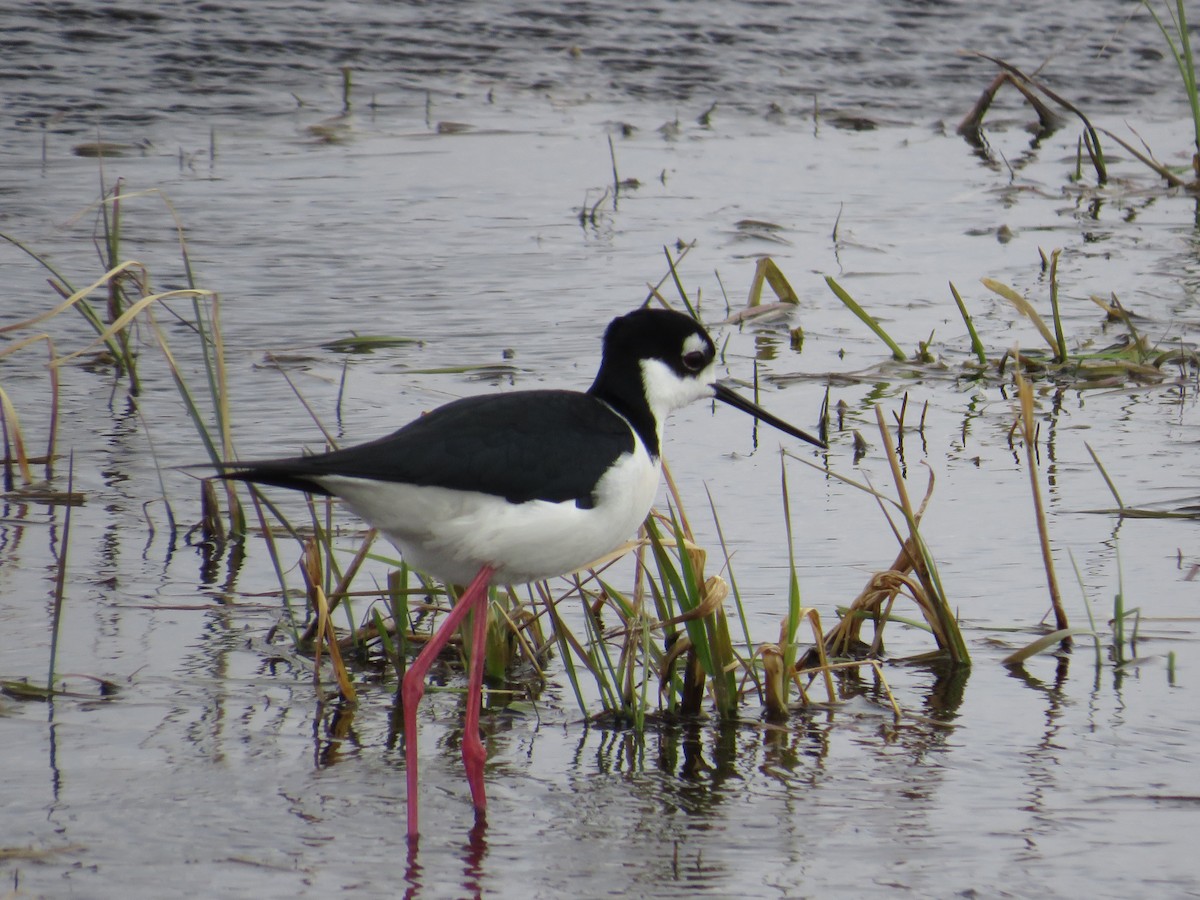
{"x":214,"y":771}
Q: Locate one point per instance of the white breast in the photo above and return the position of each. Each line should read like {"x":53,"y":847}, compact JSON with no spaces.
{"x":451,"y":534}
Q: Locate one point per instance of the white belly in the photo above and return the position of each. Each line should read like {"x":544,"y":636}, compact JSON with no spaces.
{"x":451,"y":534}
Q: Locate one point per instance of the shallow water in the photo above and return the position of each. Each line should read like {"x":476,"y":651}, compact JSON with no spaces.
{"x":216,"y":770}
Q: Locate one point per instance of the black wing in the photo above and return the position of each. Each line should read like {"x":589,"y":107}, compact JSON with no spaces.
{"x":527,"y":445}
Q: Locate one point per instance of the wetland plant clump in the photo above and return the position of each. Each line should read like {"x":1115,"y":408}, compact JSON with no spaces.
{"x":662,"y":645}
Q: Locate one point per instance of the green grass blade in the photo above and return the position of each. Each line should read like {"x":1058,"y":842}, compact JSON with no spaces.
{"x":976,"y":344}
{"x":733,"y":587}
{"x":1060,"y":339}
{"x":60,"y":580}
{"x":1044,"y":642}
{"x":866,"y":318}
{"x":1104,"y":474}
{"x":679,"y":286}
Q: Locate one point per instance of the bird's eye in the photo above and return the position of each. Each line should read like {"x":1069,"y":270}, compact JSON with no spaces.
{"x":694,"y":361}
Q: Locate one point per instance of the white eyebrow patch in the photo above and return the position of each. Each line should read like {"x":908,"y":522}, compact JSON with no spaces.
{"x":695,"y":343}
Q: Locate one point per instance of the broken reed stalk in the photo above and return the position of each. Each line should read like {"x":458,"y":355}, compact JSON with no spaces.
{"x":692,"y":311}
{"x":679,"y":593}
{"x":768,"y":271}
{"x":971,"y":127}
{"x":11,"y":425}
{"x":9,"y":419}
{"x":1028,"y":435}
{"x":1025,"y":308}
{"x":823,"y":664}
{"x":1143,"y":157}
{"x":1091,"y":140}
{"x":874,"y":602}
{"x":877,"y":597}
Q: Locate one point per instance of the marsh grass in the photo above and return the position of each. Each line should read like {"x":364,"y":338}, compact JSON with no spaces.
{"x":1130,"y":359}
{"x":130,"y":301}
{"x":60,"y":583}
{"x":914,"y":574}
{"x":1173,"y":27}
{"x":781,"y":667}
{"x":1063,"y":633}
{"x":123,"y":323}
{"x":661,"y":647}
{"x":976,"y":344}
{"x":1182,"y":509}
{"x":866,"y":318}
{"x":368,"y":343}
{"x":1028,"y":429}
{"x":665,"y":647}
{"x":1179,"y":42}
{"x":1030,"y":88}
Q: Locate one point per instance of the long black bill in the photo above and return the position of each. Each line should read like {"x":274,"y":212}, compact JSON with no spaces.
{"x":737,"y":401}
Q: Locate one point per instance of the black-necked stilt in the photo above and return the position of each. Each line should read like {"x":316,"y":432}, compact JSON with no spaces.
{"x":512,"y":488}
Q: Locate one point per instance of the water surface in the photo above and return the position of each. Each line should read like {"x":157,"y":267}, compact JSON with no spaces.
{"x":216,"y":770}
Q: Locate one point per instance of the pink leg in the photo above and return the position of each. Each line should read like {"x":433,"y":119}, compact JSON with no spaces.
{"x":473,"y":752}
{"x":413,"y":686}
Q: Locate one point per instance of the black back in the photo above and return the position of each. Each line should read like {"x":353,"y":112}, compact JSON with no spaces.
{"x":527,"y":445}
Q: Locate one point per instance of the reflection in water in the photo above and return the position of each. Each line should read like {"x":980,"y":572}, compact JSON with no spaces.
{"x":1043,"y":770}
{"x":338,"y":728}
{"x":52,"y":755}
{"x":946,"y":694}
{"x":219,"y":731}
{"x":682,"y":780}
{"x":472,"y":854}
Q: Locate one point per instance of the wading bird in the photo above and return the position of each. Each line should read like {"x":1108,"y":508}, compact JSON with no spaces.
{"x":511,"y":488}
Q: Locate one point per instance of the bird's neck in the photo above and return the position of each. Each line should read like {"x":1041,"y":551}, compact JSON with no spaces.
{"x":623,"y":391}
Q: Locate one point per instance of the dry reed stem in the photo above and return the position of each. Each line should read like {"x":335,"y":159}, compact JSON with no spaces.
{"x":814,"y":621}
{"x":767,"y":270}
{"x":518,"y":632}
{"x":221,"y":404}
{"x":935,"y":607}
{"x":75,"y":297}
{"x":1025,"y":308}
{"x":1090,"y":138}
{"x":132,"y":312}
{"x":13,"y":422}
{"x":327,"y":636}
{"x":1166,"y":174}
{"x":342,"y":588}
{"x":561,"y":629}
{"x":774,"y":683}
{"x":1026,"y":423}
{"x":310,"y":567}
